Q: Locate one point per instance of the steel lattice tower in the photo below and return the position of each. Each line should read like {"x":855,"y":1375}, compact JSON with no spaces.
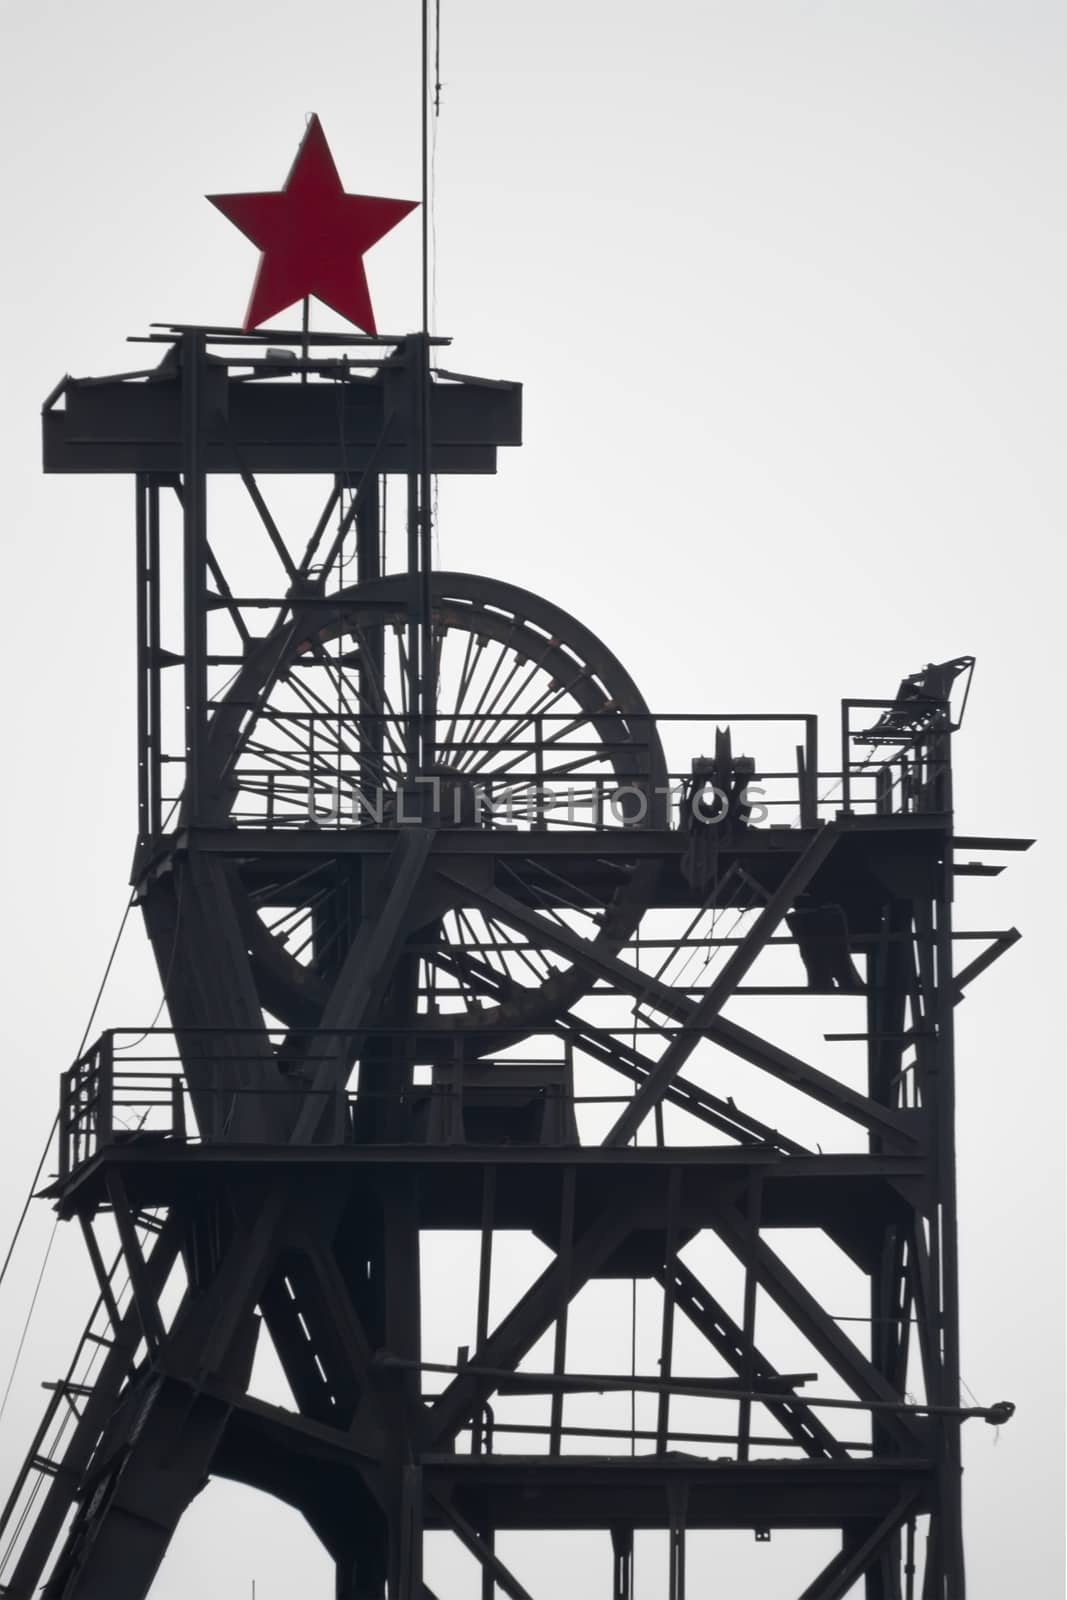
{"x":417,"y":863}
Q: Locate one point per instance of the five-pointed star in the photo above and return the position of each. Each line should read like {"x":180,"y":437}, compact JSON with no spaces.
{"x":313,"y":236}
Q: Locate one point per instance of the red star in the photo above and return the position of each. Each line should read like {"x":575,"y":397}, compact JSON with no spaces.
{"x":313,"y":236}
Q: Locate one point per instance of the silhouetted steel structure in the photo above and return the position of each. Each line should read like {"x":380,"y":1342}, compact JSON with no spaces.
{"x":416,"y":862}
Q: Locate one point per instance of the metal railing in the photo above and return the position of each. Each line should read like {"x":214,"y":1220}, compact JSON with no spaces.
{"x":906,"y":772}
{"x":340,"y":781}
{"x":101,"y":1103}
{"x":320,"y":769}
{"x":132,"y":1088}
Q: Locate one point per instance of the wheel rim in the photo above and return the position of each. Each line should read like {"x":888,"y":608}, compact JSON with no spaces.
{"x":510,"y":668}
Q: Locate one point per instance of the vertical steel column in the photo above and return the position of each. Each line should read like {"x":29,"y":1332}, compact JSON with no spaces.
{"x":890,"y":965}
{"x":678,"y":1496}
{"x":409,"y":1576}
{"x":428,"y":690}
{"x":622,"y":1563}
{"x":944,"y":1577}
{"x":368,"y":531}
{"x":559,"y":1354}
{"x":413,"y":632}
{"x":402,"y":1338}
{"x":846,"y":758}
{"x":753,"y":1214}
{"x":809,"y":774}
{"x":666,"y":1353}
{"x":428,"y":686}
{"x":194,"y":528}
{"x":149,"y":746}
{"x":421,"y":692}
{"x":144,"y":666}
{"x":155,"y":642}
{"x":485,"y":1275}
{"x":371,"y":671}
{"x":909,"y":1561}
{"x":488,"y":1584}
{"x":944,"y":1188}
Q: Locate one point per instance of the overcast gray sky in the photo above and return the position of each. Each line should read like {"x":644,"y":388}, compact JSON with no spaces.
{"x":783,"y":282}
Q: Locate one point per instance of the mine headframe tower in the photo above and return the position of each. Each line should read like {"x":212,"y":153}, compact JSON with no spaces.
{"x":421,"y":869}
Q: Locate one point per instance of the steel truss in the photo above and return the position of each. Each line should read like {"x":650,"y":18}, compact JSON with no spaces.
{"x":415,"y":860}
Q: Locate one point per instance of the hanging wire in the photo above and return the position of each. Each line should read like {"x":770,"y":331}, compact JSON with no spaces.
{"x":107,"y":970}
{"x":141,"y":1037}
{"x":170,"y":959}
{"x":26,"y":1203}
{"x":55,"y":1120}
{"x":80,"y":1051}
{"x":437,"y":58}
{"x":87,"y":1374}
{"x":29,"y":1316}
{"x":44,"y":1156}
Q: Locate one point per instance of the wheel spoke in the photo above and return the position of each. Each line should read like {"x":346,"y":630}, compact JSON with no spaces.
{"x":519,"y":701}
{"x":474,"y":647}
{"x":529,"y":718}
{"x":475,"y":718}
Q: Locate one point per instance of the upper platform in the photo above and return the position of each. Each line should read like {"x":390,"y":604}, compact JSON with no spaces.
{"x":278,"y":402}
